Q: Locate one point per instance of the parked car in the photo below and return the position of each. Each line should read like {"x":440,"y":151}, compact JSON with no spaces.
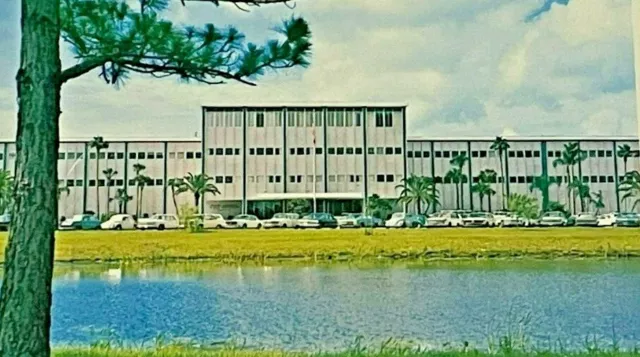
{"x":119,"y":222}
{"x":5,"y":220}
{"x":499,"y":216}
{"x":208,"y":221}
{"x":400,"y":219}
{"x":478,"y":219}
{"x":607,"y":220}
{"x":553,"y":219}
{"x":586,"y":220}
{"x":512,"y":220}
{"x":628,"y":219}
{"x":346,"y":222}
{"x":318,"y":220}
{"x":160,"y":222}
{"x":445,"y":219}
{"x":282,"y":220}
{"x":365,"y":220}
{"x":80,"y":221}
{"x":244,"y":221}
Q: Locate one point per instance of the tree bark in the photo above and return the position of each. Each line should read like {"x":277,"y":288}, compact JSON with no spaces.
{"x":25,"y":302}
{"x":173,"y":196}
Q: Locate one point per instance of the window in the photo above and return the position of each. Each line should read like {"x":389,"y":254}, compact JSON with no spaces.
{"x":308,"y":119}
{"x":318,"y":178}
{"x":219,"y":179}
{"x":307,"y":151}
{"x":379,"y":119}
{"x":251,"y":121}
{"x":389,"y":178}
{"x":211,"y":152}
{"x":610,"y":179}
{"x":151,"y":183}
{"x":379,"y":151}
{"x":513,"y":179}
{"x":299,"y":122}
{"x":269,"y":151}
{"x":228,"y":179}
{"x":79,"y":183}
{"x":252,"y":151}
{"x":318,"y":117}
{"x":271,"y":179}
{"x":61,"y":156}
{"x":340,"y":118}
{"x":454,"y":153}
{"x":180,"y":155}
{"x":371,"y":151}
{"x":219,"y":151}
{"x":600,"y":153}
{"x":388,"y":151}
{"x":198,"y":155}
{"x":349,"y":151}
{"x":151,"y":155}
{"x":519,"y":153}
{"x":475,"y":154}
{"x":291,"y":120}
{"x":141,"y":156}
{"x":426,"y":154}
{"x":236,"y":151}
{"x":446,"y":154}
{"x":528,"y":153}
{"x":332,"y":178}
{"x":70,"y":183}
{"x":550,"y":154}
{"x":609,"y":153}
{"x":292,"y":179}
{"x":340,"y":151}
{"x":228,"y":151}
{"x":417,"y":154}
{"x":379,"y":178}
{"x":529,"y":179}
{"x":331,"y":151}
{"x":251,"y":179}
{"x":132,"y":182}
{"x":101,"y":183}
{"x":348,"y":119}
{"x":292,"y":151}
{"x":260,"y":151}
{"x":410,"y":154}
{"x":158,"y":182}
{"x":111,"y":155}
{"x":299,"y":151}
{"x":340,"y":178}
{"x":398,"y":151}
{"x":558,"y":154}
{"x":438,"y":154}
{"x":354,"y":178}
{"x":120,"y":156}
{"x":318,"y":151}
{"x":585,"y":179}
{"x":602,"y":179}
{"x":536,"y":153}
{"x":388,"y":120}
{"x":358,"y":151}
{"x":299,"y":178}
{"x":92,"y":183}
{"x":358,"y":118}
{"x":119,"y":182}
{"x":190,"y":154}
{"x":512,"y":154}
{"x":592,"y":153}
{"x":483,"y":153}
{"x":260,"y":120}
{"x":71,"y":156}
{"x":278,"y":179}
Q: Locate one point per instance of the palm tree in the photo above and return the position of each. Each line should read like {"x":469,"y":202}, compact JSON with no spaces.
{"x":378,"y":207}
{"x":177,"y":187}
{"x":482,"y":189}
{"x":625,"y":152}
{"x":598,"y":201}
{"x":542,"y":183}
{"x":6,"y":191}
{"x":630,"y":185}
{"x":500,"y":145}
{"x":98,"y":144}
{"x":63,"y":189}
{"x":123,"y":198}
{"x":418,"y":190}
{"x":199,"y":185}
{"x":140,"y":181}
{"x":580,"y":190}
{"x":109,"y":174}
{"x":458,"y":177}
{"x":455,"y":176}
{"x":571,"y":156}
{"x":489,"y":177}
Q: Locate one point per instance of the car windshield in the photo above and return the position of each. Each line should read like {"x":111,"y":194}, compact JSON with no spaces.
{"x":157,"y":216}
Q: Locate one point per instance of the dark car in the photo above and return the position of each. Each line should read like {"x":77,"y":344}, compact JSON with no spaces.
{"x":321,"y":220}
{"x":628,"y":219}
{"x":5,"y":219}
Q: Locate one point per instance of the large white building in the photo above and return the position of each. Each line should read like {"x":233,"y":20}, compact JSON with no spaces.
{"x":262,"y":156}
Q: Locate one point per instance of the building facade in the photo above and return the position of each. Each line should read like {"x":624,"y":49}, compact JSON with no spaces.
{"x":261,"y":157}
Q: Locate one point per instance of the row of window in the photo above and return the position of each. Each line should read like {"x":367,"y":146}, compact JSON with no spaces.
{"x":511,"y":154}
{"x":224,"y":151}
{"x":318,"y":178}
{"x":132,"y":155}
{"x":299,"y":119}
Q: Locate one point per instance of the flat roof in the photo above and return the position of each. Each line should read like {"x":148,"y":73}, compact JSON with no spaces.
{"x":123,"y":140}
{"x":306,"y":105}
{"x":525,"y":138}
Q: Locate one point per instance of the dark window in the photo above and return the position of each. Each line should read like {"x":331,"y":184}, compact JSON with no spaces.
{"x":483,"y":153}
{"x":70,"y":183}
{"x":158,"y":182}
{"x":236,"y":151}
{"x":438,"y":154}
{"x":438,"y":179}
{"x":71,"y":156}
{"x":141,"y":156}
{"x":269,"y":151}
{"x":190,"y":154}
{"x":318,"y":151}
{"x":410,"y":154}
{"x":600,"y":153}
{"x":111,"y":155}
{"x":219,"y":151}
{"x":559,"y":179}
{"x":151,"y":183}
{"x":371,"y":151}
{"x":307,"y":151}
{"x":476,"y":179}
{"x":521,"y":179}
{"x":388,"y":120}
{"x":151,"y":155}
{"x":417,"y":154}
{"x":277,"y":151}
{"x":519,"y":153}
{"x":228,"y":151}
{"x":102,"y":156}
{"x":513,"y":179}
{"x":609,"y":153}
{"x":292,"y":151}
{"x":585,"y":179}
{"x":446,"y":154}
{"x":388,"y":151}
{"x":260,"y":120}
{"x":119,"y":182}
{"x":610,"y":179}
{"x":558,"y":153}
{"x":528,"y":153}
{"x":454,"y":153}
{"x":277,"y":179}
{"x":61,"y":156}
{"x":292,"y":179}
{"x":358,"y":151}
{"x":380,"y":178}
{"x":92,"y":183}
{"x":252,"y":151}
{"x":159,"y":155}
{"x":512,"y":154}
{"x":475,"y":154}
{"x":379,"y":120}
{"x":1,"y":156}
{"x":211,"y":151}
{"x":594,"y":179}
{"x":299,"y":178}
{"x":260,"y":151}
{"x":198,"y":155}
{"x":340,"y":151}
{"x":300,"y":151}
{"x":78,"y":183}
{"x":271,"y":179}
{"x":398,"y":151}
{"x":425,"y":154}
{"x":349,"y":151}
{"x":132,"y":182}
{"x":101,"y":183}
{"x":529,"y":179}
{"x":447,"y":180}
{"x":219,"y":179}
{"x":228,"y":179}
{"x":602,"y":179}
{"x":120,"y":156}
{"x":592,"y":153}
{"x":331,"y":151}
{"x":536,"y":153}
{"x":550,"y":154}
{"x":389,"y":178}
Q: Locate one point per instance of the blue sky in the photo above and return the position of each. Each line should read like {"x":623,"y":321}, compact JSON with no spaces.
{"x":464,"y":67}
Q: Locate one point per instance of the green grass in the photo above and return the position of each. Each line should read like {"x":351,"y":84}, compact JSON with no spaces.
{"x":340,"y":245}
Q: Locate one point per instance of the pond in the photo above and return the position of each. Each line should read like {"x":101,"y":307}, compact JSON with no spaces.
{"x":328,"y":307}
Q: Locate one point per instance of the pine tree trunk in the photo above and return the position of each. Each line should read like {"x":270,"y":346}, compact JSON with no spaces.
{"x":98,"y":183}
{"x":25,"y":302}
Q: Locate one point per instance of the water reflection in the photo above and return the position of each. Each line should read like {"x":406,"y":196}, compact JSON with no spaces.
{"x":328,"y":306}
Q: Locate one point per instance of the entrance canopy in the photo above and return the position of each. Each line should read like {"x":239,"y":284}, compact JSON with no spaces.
{"x":309,"y":196}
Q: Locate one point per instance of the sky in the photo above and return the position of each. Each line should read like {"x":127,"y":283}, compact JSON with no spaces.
{"x":464,"y":68}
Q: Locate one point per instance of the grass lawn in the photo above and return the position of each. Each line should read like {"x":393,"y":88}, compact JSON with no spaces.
{"x":345,"y":244}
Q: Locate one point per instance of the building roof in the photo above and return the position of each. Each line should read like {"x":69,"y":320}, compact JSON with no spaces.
{"x":524,"y":138}
{"x":336,"y":104}
{"x":122,"y":140}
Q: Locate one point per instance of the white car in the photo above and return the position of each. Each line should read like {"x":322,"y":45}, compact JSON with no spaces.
{"x":346,"y":222}
{"x":209,"y":221}
{"x":119,"y":222}
{"x":445,"y":219}
{"x":282,"y":220}
{"x":478,"y":219}
{"x":586,"y":220}
{"x":244,"y":221}
{"x":396,"y":220}
{"x":553,"y":219}
{"x":607,"y":220}
{"x":513,"y":220}
{"x":499,"y":216}
{"x":309,"y":221}
{"x":160,"y":222}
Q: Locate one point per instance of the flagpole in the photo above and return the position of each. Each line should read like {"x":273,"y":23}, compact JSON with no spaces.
{"x":314,"y":166}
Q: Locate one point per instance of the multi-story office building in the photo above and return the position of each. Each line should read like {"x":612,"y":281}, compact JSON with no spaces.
{"x":260,"y":157}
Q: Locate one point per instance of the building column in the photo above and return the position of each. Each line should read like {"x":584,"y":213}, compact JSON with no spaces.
{"x":164,"y":180}
{"x":244,"y":161}
{"x":85,"y":184}
{"x":324,"y":150}
{"x":126,"y":173}
{"x":285,"y":117}
{"x":5,"y":151}
{"x":545,"y":174}
{"x":616,"y":176}
{"x":404,"y":150}
{"x":470,"y":174}
{"x":203,"y":155}
{"x":365,"y":157}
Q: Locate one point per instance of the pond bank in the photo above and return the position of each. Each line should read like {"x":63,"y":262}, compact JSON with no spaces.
{"x":233,"y":247}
